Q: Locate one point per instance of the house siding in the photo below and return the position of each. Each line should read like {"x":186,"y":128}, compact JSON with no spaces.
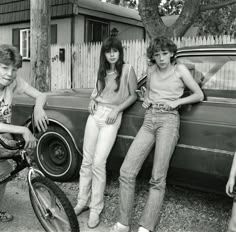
{"x":128,"y":32}
{"x":15,"y":11}
{"x":15,"y":14}
{"x":79,"y":30}
{"x":63,"y":30}
{"x":6,"y":36}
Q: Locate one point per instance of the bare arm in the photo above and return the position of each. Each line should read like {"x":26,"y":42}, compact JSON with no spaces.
{"x":40,"y":117}
{"x":93,"y":103}
{"x":146,"y":102}
{"x":187,"y":78}
{"x":233,"y":168}
{"x":132,"y":85}
{"x":231,"y":181}
{"x":30,"y":140}
{"x":8,"y":128}
{"x":197,"y":94}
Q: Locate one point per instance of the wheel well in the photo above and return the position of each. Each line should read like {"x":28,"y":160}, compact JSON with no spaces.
{"x":57,"y":124}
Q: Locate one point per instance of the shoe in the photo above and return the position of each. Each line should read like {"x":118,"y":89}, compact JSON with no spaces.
{"x":94,"y":220}
{"x":80,"y":209}
{"x":142,"y":229}
{"x":5,"y":217}
{"x":118,"y":227}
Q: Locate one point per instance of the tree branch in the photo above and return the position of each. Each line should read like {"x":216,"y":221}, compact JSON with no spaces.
{"x":217,"y":6}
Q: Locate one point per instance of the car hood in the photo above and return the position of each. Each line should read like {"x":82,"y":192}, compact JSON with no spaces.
{"x":66,"y":98}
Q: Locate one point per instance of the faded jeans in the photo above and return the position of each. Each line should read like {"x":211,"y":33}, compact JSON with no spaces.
{"x":99,"y":139}
{"x":162,"y":129}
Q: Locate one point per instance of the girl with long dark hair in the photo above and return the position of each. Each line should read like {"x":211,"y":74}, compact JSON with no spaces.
{"x":114,"y":92}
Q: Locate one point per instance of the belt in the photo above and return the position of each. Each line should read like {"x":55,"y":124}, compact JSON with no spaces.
{"x":162,"y":107}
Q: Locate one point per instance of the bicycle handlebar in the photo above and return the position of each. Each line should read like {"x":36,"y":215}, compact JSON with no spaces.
{"x":17,"y":144}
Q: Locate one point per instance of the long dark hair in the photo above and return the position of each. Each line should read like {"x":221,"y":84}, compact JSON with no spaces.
{"x":108,"y":44}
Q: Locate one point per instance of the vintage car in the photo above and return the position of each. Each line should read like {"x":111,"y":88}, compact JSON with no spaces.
{"x":203,"y":155}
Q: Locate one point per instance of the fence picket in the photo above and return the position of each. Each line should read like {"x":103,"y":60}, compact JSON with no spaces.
{"x":79,"y":70}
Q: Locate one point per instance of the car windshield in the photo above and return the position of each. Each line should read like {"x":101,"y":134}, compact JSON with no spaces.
{"x":212,"y":72}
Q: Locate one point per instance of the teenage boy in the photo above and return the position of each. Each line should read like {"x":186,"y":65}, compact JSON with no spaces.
{"x":10,"y":61}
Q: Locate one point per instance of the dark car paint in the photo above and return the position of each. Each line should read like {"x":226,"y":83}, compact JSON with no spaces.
{"x":203,"y":156}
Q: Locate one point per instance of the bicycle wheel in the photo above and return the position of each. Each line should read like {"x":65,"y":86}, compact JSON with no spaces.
{"x":59,"y":214}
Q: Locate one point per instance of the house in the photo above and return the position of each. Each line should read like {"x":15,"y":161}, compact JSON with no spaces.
{"x":72,"y":21}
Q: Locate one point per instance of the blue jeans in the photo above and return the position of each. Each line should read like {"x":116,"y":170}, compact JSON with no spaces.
{"x":99,"y":138}
{"x":161,"y":128}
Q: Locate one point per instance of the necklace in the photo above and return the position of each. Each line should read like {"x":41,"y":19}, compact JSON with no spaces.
{"x":111,"y":73}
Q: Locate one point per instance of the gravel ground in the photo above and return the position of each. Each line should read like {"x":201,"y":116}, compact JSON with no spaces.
{"x":183,"y":210}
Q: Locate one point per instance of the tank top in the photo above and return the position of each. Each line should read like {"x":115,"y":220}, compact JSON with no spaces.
{"x":169,"y":88}
{"x":109,"y":96}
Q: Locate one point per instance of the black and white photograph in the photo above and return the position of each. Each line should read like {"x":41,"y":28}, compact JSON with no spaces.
{"x":118,"y":115}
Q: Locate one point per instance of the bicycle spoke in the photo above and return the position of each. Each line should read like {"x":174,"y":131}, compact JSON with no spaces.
{"x":57,"y":218}
{"x":43,"y":198}
{"x":57,"y":226}
{"x":60,"y":216}
{"x":53,"y":199}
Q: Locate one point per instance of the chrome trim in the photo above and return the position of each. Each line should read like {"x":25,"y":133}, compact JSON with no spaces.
{"x":219,"y":102}
{"x":205,"y":149}
{"x":189,"y":146}
{"x":126,"y":137}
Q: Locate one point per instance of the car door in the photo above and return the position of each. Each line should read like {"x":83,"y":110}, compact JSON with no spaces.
{"x":204,"y":153}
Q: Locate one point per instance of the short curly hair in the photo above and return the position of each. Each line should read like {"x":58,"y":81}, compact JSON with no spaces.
{"x":9,"y":55}
{"x":161,"y":43}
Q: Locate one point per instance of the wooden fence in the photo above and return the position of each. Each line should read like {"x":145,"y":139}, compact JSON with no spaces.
{"x":79,"y":68}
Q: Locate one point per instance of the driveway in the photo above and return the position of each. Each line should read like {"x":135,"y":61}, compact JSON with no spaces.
{"x":17,"y":202}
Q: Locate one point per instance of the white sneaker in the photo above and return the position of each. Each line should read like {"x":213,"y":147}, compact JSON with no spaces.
{"x":142,"y":229}
{"x":118,"y":227}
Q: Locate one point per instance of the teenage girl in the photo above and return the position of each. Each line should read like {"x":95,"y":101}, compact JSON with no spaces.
{"x":114,"y":92}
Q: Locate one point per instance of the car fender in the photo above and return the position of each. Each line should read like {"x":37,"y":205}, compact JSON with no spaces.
{"x":55,"y":117}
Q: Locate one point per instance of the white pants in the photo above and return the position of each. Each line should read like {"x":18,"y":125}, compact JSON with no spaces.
{"x":99,"y":139}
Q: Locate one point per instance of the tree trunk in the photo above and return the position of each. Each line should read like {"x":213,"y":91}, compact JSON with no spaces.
{"x":154,"y":25}
{"x":148,"y":10}
{"x":40,"y":44}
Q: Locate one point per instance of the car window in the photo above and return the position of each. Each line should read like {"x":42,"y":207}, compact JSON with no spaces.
{"x":212,"y":72}
{"x":216,"y":75}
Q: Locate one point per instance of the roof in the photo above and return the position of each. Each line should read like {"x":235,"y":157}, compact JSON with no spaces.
{"x":114,"y":12}
{"x":93,"y":8}
{"x":16,"y":11}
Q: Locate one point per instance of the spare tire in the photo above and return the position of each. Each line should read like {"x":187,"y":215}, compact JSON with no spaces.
{"x":56,"y":155}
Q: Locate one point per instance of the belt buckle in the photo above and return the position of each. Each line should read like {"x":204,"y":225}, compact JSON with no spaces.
{"x":161,"y":107}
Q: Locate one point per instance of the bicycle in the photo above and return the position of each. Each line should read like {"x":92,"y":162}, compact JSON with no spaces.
{"x":50,"y":204}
